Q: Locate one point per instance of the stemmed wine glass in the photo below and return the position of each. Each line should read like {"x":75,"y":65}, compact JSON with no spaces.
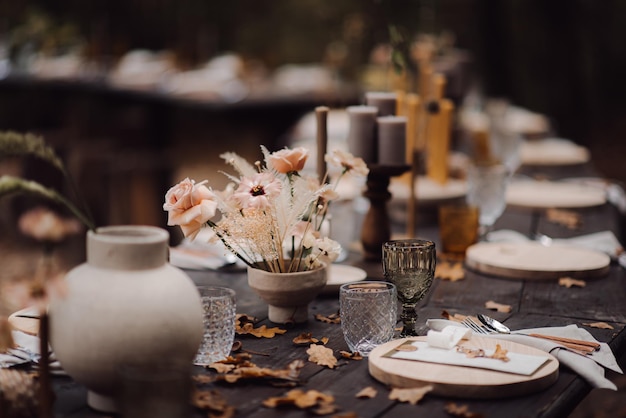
{"x":486,"y":189}
{"x":410,"y":265}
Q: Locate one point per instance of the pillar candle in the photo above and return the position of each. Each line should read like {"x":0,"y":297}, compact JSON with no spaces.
{"x":362,"y":132}
{"x":384,"y":101}
{"x":439,"y":143}
{"x":391,"y":140}
{"x":321,"y":113}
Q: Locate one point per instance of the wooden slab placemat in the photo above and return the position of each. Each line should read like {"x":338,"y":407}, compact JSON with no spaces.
{"x":463,"y":382}
{"x":551,"y":194}
{"x":533,"y":261}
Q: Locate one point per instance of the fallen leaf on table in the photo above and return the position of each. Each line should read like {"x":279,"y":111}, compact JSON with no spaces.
{"x":213,"y":402}
{"x":567,"y":218}
{"x":460,"y":411}
{"x":450,"y":271}
{"x":601,"y":325}
{"x":304,"y":400}
{"x":245,"y":369}
{"x":221,"y":367}
{"x":453,"y":317}
{"x":490,"y":304}
{"x":500,"y":354}
{"x":368,"y":392}
{"x":322,"y":356}
{"x":329,"y":319}
{"x":307,"y":338}
{"x":352,"y":356}
{"x":410,"y":395}
{"x":569,"y":282}
{"x":261,"y":332}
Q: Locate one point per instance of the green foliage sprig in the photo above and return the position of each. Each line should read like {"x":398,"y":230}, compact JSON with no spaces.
{"x":13,"y":144}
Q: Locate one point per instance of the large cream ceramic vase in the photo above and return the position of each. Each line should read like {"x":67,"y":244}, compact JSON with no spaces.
{"x":125,"y":305}
{"x":287,"y":294}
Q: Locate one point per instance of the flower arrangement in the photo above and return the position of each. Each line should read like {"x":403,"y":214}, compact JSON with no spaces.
{"x":272,"y":213}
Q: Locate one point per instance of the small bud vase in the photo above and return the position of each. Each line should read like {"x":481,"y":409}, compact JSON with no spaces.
{"x":125,"y":305}
{"x":287,"y":294}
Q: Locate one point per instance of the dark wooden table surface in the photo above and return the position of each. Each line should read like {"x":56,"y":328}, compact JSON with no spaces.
{"x":534,"y":303}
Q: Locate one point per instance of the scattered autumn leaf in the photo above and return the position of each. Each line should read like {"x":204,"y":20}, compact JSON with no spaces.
{"x":452,"y":317}
{"x":450,"y":271}
{"x":406,"y":346}
{"x":569,"y":282}
{"x":322,"y":356}
{"x":233,"y":369}
{"x":490,"y":304}
{"x":567,"y":218}
{"x":500,"y":354}
{"x":601,"y":325}
{"x":320,"y":403}
{"x":307,"y":338}
{"x":221,"y":367}
{"x":329,"y":319}
{"x":368,"y":392}
{"x":212,"y":402}
{"x":410,"y":395}
{"x":352,"y":356}
{"x":261,"y":332}
{"x":460,"y":411}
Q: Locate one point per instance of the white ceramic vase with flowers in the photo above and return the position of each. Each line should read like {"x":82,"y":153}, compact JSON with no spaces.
{"x":271,"y":217}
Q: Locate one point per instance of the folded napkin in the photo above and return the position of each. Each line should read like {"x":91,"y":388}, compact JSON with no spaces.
{"x":27,"y":351}
{"x":590,"y":367}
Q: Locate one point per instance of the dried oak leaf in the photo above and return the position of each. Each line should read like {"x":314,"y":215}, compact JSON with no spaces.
{"x":490,"y":304}
{"x":452,"y":317}
{"x":221,"y":367}
{"x":307,"y":338}
{"x":569,"y":282}
{"x":450,"y":271}
{"x":322,"y":356}
{"x":567,"y":218}
{"x":352,"y":356}
{"x":367,"y":393}
{"x":213,"y":402}
{"x":410,"y":395}
{"x":500,"y":354}
{"x":323,"y":403}
{"x":601,"y":325}
{"x":349,"y":414}
{"x":261,"y":332}
{"x":460,"y":411}
{"x":329,"y":319}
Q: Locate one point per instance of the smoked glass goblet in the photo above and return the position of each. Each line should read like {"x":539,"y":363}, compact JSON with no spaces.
{"x":410,"y":265}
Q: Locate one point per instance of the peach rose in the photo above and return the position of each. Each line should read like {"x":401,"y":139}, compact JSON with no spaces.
{"x":289,"y":160}
{"x":190,"y":206}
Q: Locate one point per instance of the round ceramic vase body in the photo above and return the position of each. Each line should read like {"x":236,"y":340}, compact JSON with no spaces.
{"x":125,"y":305}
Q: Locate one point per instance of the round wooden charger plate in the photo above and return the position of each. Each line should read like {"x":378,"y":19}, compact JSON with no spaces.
{"x":27,"y":325}
{"x":533,"y":261}
{"x":462,"y":382}
{"x":548,"y":194}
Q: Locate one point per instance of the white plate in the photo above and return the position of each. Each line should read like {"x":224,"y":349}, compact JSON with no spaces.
{"x":339,"y":274}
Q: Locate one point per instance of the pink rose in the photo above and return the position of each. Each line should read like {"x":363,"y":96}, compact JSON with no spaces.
{"x":289,"y":160}
{"x":44,"y":225}
{"x":190,"y":206}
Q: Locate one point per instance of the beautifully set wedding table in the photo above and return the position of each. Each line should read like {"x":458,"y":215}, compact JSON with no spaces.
{"x":534,"y":303}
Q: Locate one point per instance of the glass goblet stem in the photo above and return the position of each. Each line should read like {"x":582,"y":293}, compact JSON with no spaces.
{"x":409,"y":319}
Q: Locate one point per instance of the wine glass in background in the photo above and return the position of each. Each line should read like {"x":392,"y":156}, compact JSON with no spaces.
{"x":410,"y":265}
{"x":486,"y":189}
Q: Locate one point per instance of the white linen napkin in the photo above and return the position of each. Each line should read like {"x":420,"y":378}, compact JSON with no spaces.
{"x":27,"y":350}
{"x":590,"y":367}
{"x":517,"y":363}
